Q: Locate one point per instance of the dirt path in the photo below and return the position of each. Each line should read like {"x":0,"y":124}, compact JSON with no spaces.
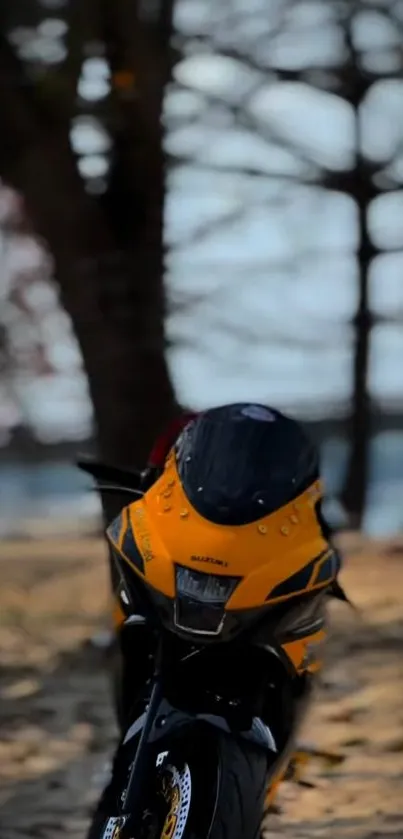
{"x":56,"y":725}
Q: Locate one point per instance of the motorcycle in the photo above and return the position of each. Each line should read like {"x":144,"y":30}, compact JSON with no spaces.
{"x":219,"y":657}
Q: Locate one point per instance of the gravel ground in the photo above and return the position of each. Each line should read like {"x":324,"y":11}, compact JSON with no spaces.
{"x":57,"y":728}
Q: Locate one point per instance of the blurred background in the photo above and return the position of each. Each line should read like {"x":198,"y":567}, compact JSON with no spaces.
{"x":200,"y":201}
{"x":279,"y":222}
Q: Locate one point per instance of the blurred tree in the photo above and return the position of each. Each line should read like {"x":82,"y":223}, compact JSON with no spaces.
{"x":364,"y":65}
{"x":274,"y":47}
{"x":356,"y":84}
{"x":104,"y":232}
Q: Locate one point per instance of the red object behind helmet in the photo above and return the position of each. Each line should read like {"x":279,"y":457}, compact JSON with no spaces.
{"x":166,"y":440}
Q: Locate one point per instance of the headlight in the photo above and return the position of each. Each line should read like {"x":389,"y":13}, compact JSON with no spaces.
{"x":200,"y":600}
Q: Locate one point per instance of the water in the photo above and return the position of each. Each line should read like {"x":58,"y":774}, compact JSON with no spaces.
{"x":57,"y":497}
{"x":45,"y":497}
{"x":384,"y":509}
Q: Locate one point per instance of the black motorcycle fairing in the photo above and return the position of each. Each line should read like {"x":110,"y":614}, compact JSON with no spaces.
{"x":171,"y":721}
{"x":237,"y":681}
{"x":271,"y":623}
{"x":135,"y":593}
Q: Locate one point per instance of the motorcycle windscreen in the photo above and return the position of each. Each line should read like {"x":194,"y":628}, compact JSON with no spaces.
{"x":242,"y":462}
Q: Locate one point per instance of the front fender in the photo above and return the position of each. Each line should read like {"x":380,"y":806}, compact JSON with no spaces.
{"x":170,"y":720}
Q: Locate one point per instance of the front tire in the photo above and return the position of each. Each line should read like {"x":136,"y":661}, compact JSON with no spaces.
{"x":212,"y":785}
{"x":241,"y":790}
{"x":227,"y":777}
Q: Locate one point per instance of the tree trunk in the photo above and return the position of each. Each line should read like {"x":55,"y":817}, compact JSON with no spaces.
{"x":359,"y":185}
{"x":112,"y":286}
{"x":356,"y":481}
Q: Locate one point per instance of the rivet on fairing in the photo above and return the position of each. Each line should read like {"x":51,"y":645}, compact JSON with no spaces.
{"x":262,"y":529}
{"x":184,"y":514}
{"x":285,"y":530}
{"x":295,"y":519}
{"x":167,"y":508}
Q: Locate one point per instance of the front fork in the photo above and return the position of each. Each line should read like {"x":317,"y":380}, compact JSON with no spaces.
{"x":139,"y":772}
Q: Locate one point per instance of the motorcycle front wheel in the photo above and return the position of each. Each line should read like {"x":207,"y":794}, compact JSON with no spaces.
{"x":210,"y":786}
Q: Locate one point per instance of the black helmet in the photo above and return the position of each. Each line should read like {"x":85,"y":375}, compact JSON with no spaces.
{"x":240,"y":462}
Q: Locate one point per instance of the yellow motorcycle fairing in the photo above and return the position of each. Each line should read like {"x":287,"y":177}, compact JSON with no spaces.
{"x":276,"y":557}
